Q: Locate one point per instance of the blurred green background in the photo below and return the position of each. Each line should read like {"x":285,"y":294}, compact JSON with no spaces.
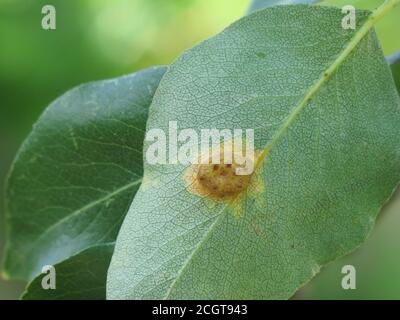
{"x":98,"y":39}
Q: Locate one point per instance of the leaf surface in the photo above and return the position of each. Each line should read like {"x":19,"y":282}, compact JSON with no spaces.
{"x":74,"y":177}
{"x":82,"y":276}
{"x":326,"y":114}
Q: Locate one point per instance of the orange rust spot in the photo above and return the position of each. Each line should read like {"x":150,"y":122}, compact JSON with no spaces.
{"x":218,"y":182}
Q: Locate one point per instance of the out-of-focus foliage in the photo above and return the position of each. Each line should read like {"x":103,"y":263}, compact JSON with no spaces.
{"x":261,"y":4}
{"x":394,"y":61}
{"x":94,"y":39}
{"x":377,"y":264}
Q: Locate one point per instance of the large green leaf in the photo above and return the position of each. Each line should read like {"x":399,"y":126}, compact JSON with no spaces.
{"x":326,"y":114}
{"x":74,"y":178}
{"x":82,"y":276}
{"x":262,"y":4}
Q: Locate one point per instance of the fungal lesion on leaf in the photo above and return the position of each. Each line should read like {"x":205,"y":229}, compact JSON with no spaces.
{"x":224,"y":181}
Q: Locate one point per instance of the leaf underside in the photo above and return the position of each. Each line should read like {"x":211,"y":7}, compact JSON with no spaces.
{"x":324,"y":181}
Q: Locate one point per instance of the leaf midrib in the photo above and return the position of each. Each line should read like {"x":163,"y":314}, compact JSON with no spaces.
{"x":327,"y":74}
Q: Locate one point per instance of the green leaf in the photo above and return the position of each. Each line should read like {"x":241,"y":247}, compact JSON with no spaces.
{"x":326,"y":116}
{"x":82,"y":276}
{"x":262,"y":4}
{"x":394,"y":61}
{"x":74,"y":177}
